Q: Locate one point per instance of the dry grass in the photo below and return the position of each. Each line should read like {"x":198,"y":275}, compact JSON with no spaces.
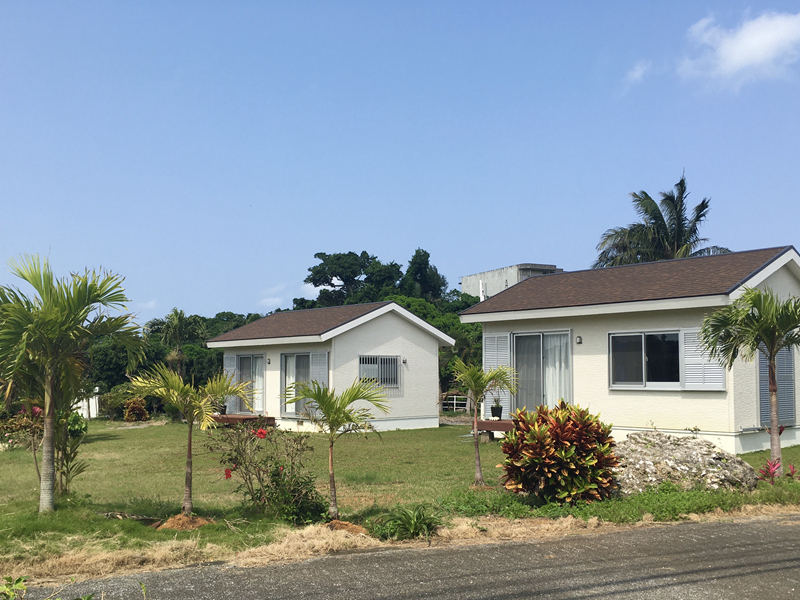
{"x":316,"y":540}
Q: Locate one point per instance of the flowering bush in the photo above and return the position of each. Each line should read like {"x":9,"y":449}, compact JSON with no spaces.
{"x":23,"y":429}
{"x":268,"y":464}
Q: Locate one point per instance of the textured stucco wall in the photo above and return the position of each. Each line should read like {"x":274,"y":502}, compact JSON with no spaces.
{"x":272,"y":375}
{"x":416,"y":404}
{"x":393,"y":335}
{"x":673,"y":409}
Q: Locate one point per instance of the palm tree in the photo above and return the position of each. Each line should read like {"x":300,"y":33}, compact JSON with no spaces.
{"x":665,"y":232}
{"x":336,"y":416}
{"x":44,"y":339}
{"x":477,"y":384}
{"x":757,"y":321}
{"x":175,"y":330}
{"x":195,"y":403}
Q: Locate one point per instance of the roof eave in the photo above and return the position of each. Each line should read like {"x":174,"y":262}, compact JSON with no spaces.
{"x":599,"y":309}
{"x":297,"y":339}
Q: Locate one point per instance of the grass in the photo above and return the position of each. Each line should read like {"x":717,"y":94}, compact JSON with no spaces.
{"x":140,"y":471}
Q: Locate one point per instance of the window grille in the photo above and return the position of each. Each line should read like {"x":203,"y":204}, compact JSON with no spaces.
{"x":383,"y":369}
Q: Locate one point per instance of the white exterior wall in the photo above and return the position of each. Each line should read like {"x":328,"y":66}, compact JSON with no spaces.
{"x":417,"y":403}
{"x":389,"y":334}
{"x":721,"y":416}
{"x":272,"y":373}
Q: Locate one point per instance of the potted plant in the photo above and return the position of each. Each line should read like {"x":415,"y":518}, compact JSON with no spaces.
{"x":497,"y":408}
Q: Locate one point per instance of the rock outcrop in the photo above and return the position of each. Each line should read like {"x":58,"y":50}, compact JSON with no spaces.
{"x":650,"y":458}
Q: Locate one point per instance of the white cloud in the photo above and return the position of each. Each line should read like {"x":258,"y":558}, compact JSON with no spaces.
{"x":149,"y":305}
{"x":271,"y":302}
{"x":760,"y":48}
{"x":270,"y":298}
{"x":638,"y":71}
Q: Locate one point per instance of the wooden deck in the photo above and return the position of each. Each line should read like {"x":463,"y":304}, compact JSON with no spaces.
{"x":504,"y":425}
{"x":233,"y":419}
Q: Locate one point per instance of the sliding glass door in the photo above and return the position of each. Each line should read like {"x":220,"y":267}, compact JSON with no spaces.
{"x":543,"y":365}
{"x":528,"y":362}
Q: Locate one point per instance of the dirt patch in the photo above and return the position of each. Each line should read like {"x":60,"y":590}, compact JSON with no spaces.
{"x":183,"y":523}
{"x":336,"y":525}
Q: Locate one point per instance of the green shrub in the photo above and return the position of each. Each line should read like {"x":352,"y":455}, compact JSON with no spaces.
{"x":135,"y":410}
{"x":269,"y":465}
{"x":563,"y":454}
{"x":407,"y":522}
{"x":77,"y":426}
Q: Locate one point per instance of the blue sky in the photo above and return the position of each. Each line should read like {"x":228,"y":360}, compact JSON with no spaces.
{"x":205,"y":151}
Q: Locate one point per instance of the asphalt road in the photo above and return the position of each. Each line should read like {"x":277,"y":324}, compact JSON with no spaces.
{"x":757,"y":558}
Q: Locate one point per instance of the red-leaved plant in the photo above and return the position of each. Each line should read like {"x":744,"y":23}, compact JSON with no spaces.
{"x":561,"y":454}
{"x":769,"y":471}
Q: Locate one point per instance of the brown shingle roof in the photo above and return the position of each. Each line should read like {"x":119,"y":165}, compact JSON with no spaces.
{"x":681,"y":278}
{"x":291,"y":323}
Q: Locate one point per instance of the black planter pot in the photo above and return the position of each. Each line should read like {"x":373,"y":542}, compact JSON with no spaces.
{"x":497,"y":411}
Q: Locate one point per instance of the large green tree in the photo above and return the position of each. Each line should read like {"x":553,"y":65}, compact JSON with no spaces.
{"x":196,"y":403}
{"x":477,"y":383}
{"x":665,"y":231}
{"x":176,"y":330}
{"x":757,"y":321}
{"x":336,"y":415}
{"x":45,"y":338}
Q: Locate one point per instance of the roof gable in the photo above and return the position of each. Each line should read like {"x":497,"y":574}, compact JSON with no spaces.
{"x":716,"y":275}
{"x":317,"y":324}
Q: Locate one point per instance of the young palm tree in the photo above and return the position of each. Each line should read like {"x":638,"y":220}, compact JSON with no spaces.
{"x":477,"y":384}
{"x":195,"y":403}
{"x":755,"y":322}
{"x":336,"y":416}
{"x":665,"y":232}
{"x":44,"y":339}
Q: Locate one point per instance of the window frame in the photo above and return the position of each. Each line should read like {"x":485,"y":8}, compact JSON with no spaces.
{"x":299,"y":406}
{"x":391,"y":387}
{"x":663,"y":386}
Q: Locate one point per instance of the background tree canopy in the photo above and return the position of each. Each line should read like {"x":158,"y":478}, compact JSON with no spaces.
{"x":342,"y":278}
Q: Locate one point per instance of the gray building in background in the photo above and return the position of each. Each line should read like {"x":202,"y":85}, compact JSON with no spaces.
{"x":488,"y":283}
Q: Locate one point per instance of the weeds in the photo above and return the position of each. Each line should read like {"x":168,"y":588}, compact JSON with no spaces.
{"x":407,"y":522}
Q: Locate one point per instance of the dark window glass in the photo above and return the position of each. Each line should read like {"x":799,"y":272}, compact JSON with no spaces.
{"x":626,"y":360}
{"x":663,"y":363}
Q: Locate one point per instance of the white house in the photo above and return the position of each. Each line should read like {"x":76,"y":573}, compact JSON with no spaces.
{"x":336,"y":346}
{"x":623,"y":341}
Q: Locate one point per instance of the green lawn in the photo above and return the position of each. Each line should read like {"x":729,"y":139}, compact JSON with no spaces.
{"x":141,"y":470}
{"x":127,"y":463}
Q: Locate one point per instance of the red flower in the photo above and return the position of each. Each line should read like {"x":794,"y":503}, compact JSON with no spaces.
{"x":228,"y":474}
{"x":261,"y":434}
{"x":280,"y":469}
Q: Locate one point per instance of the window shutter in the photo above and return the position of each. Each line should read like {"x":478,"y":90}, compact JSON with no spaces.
{"x":784,"y":371}
{"x":700,"y":372}
{"x":496,"y":352}
{"x":319,"y":367}
{"x":229,"y":364}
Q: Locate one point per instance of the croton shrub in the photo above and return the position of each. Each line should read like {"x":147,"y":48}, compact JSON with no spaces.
{"x":562,"y":454}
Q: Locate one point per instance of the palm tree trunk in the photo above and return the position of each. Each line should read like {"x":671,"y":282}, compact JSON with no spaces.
{"x":774,"y":421}
{"x":478,"y":470}
{"x":48,"y":476}
{"x":334,"y":508}
{"x":187,"y":489}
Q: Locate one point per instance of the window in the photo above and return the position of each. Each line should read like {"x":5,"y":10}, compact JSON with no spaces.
{"x":305,"y":366}
{"x":383,"y":369}
{"x":246,"y":367}
{"x":663,"y":360}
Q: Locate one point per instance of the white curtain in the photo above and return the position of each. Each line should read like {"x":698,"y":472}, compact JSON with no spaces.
{"x":555,"y":362}
{"x":288,"y":379}
{"x":258,"y":384}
